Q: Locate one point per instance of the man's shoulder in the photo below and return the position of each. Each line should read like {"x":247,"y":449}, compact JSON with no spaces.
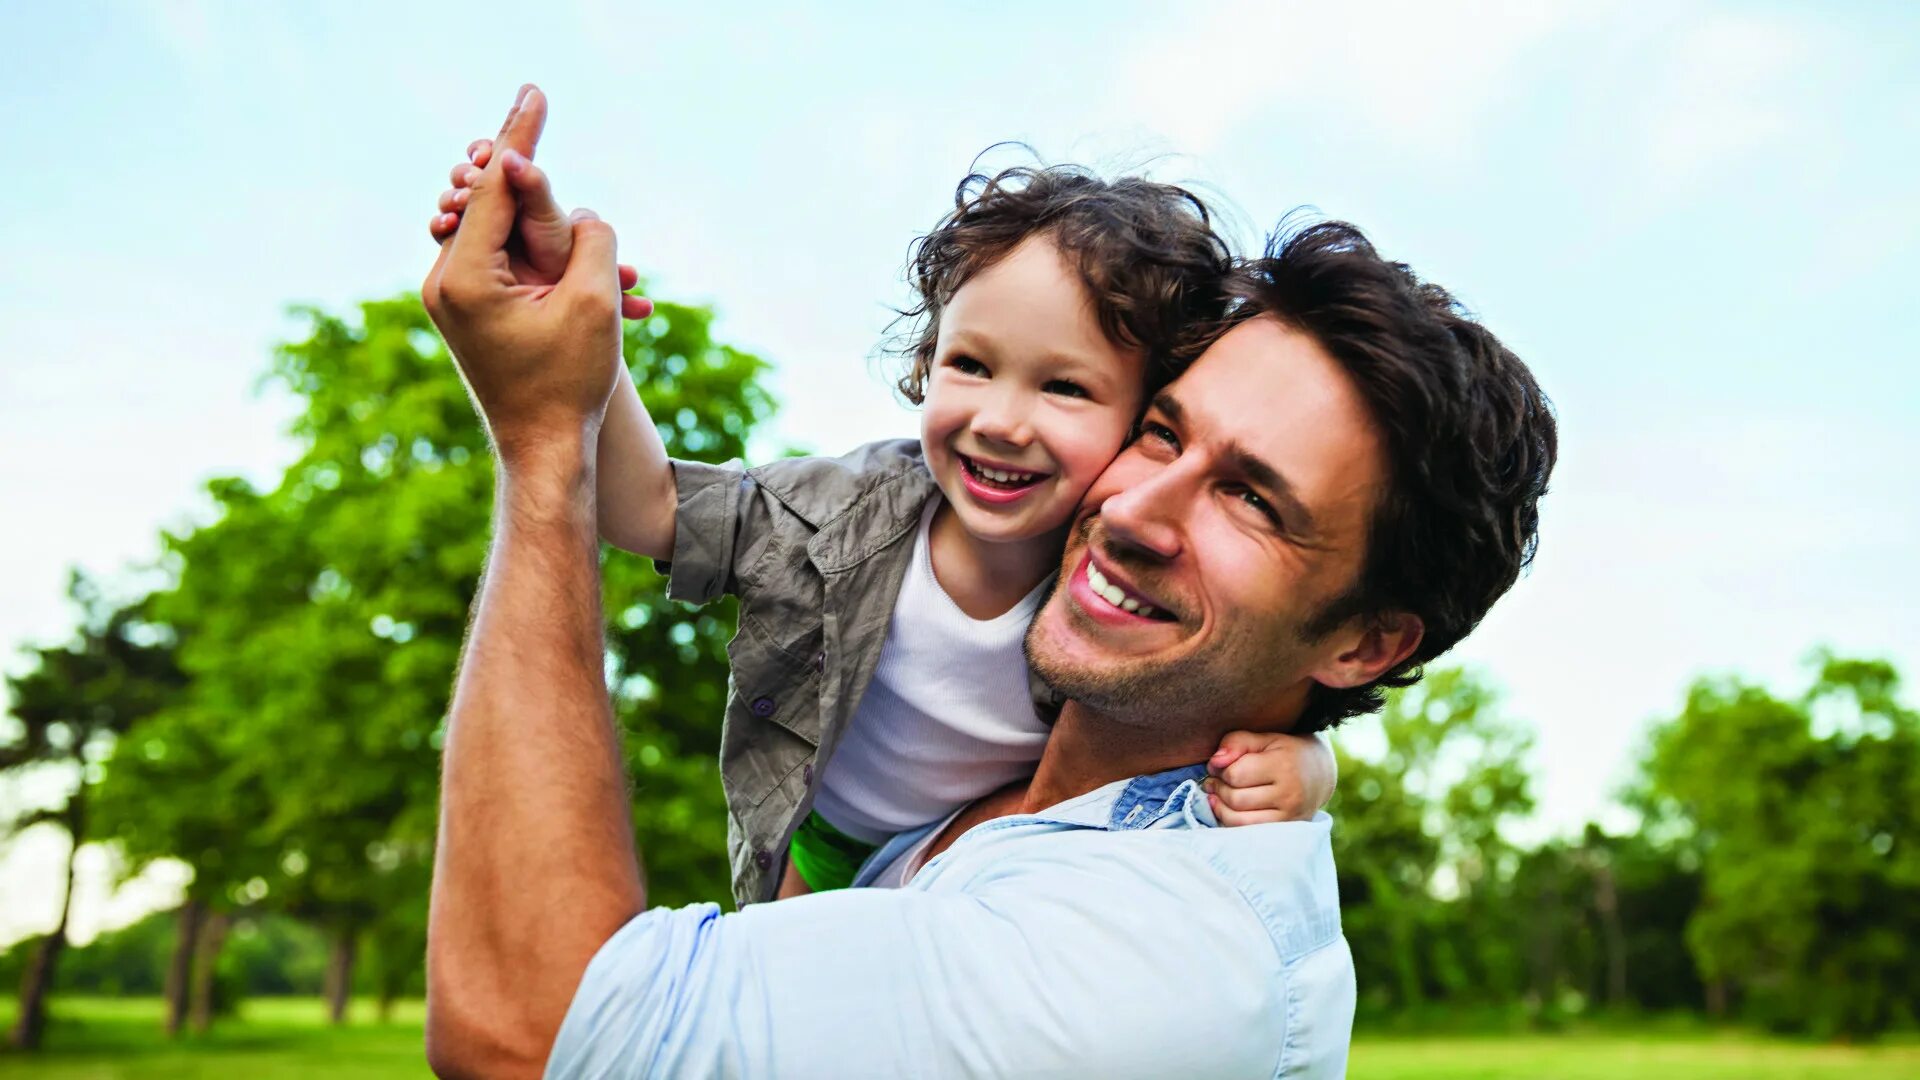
{"x":820,"y":489}
{"x":1284,"y":871}
{"x":1197,"y":898}
{"x":1281,"y":874}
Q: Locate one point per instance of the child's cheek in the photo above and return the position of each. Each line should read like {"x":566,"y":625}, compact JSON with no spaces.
{"x":1095,"y":446}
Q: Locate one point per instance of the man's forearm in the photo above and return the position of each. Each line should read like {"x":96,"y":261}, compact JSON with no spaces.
{"x":536,"y":866}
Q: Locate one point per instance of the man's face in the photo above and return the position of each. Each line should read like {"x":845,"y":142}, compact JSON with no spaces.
{"x":1210,"y":543}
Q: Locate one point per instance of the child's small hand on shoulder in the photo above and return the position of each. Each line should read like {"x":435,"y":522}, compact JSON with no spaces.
{"x":1256,"y":777}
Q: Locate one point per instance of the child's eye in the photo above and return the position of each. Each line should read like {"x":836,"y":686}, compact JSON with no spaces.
{"x":967,"y":365}
{"x":1066,"y":389}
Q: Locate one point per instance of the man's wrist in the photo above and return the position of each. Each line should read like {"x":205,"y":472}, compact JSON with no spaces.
{"x":546,"y":445}
{"x":547,"y":475}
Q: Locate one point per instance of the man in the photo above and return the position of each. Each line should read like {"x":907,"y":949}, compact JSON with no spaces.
{"x":1335,"y":493}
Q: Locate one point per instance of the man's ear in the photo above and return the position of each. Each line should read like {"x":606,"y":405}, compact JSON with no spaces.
{"x":1373,"y":647}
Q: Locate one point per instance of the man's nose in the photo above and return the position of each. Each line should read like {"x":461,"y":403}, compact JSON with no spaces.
{"x":1004,"y":418}
{"x":1148,"y":516}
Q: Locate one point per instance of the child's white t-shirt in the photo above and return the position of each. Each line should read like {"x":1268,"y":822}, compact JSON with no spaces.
{"x":947,"y":718}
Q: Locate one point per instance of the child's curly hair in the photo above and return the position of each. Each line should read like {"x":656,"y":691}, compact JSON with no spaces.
{"x":1147,"y":253}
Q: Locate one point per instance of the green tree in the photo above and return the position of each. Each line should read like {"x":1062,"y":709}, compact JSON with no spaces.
{"x":1424,"y":865}
{"x":320,"y":622}
{"x":68,"y":708}
{"x":1603,"y":919}
{"x":1804,"y":812}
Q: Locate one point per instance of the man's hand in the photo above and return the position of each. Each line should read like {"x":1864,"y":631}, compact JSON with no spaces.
{"x":542,"y":240}
{"x":1262,"y":776}
{"x":540,"y":359}
{"x":636,"y":494}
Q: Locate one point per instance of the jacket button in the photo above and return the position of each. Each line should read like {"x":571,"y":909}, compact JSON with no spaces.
{"x":762,"y":707}
{"x":806,"y":775}
{"x":820,"y":661}
{"x":763,"y":859}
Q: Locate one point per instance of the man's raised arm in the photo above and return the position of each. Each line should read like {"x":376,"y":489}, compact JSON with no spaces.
{"x":535,"y":867}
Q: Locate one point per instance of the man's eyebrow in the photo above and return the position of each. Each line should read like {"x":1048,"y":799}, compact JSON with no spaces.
{"x":1165,"y":403}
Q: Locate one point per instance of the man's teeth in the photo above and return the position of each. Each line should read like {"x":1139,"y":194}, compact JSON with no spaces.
{"x":1112,"y":594}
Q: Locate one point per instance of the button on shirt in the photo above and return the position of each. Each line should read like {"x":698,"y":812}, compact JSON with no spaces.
{"x":1117,"y":934}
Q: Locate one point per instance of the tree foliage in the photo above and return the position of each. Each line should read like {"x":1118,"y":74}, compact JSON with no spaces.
{"x":1419,"y":841}
{"x":1803,"y":813}
{"x":67,"y":708}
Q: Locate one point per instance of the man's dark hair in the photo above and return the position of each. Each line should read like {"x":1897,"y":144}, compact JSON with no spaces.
{"x":1147,"y":253}
{"x":1470,"y":440}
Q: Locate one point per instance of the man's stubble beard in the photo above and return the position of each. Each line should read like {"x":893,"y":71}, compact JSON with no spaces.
{"x":1238,"y":676}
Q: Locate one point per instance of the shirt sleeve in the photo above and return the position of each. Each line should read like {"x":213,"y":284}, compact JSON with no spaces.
{"x":706,"y":530}
{"x":728,"y":517}
{"x":1076,"y":971}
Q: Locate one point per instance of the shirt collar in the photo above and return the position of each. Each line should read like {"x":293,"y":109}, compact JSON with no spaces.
{"x":1139,"y":803}
{"x":1122,"y":806}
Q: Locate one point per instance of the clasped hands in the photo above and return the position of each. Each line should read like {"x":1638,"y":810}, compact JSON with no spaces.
{"x":532,"y":314}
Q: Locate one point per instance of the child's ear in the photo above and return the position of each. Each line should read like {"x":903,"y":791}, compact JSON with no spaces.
{"x":1374,"y":647}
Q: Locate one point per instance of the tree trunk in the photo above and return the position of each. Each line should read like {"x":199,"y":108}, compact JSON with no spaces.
{"x":180,"y":968}
{"x":1387,"y":896}
{"x":1544,"y":954}
{"x":1717,"y":997}
{"x":1606,"y":900}
{"x":339,"y":981}
{"x":37,"y":981}
{"x":206,"y":962}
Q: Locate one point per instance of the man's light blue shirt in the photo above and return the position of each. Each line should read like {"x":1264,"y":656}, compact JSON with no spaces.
{"x":1120,"y":933}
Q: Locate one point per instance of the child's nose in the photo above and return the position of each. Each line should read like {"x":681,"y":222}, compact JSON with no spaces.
{"x":1003,"y":422}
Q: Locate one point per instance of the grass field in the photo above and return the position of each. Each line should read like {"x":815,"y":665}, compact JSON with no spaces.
{"x":275,"y":1039}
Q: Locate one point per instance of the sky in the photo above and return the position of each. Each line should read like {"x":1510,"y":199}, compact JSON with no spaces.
{"x":1694,"y":221}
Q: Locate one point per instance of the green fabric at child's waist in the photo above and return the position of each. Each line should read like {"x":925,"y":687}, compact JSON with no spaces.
{"x":825,"y":857}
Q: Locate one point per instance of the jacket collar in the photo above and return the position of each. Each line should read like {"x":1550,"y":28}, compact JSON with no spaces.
{"x":875,"y":521}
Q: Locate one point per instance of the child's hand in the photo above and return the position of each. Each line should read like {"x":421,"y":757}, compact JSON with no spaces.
{"x":542,"y":233}
{"x":1261,"y":776}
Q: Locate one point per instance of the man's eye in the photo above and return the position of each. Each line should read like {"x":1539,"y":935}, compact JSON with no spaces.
{"x":1252,"y":498}
{"x":967,"y":365}
{"x":1159,"y":433}
{"x":1066,"y":389}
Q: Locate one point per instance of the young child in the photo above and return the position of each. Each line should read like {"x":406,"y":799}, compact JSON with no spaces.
{"x":878,"y":680}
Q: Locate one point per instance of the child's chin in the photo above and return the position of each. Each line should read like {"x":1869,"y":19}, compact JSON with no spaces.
{"x":1009,"y":527}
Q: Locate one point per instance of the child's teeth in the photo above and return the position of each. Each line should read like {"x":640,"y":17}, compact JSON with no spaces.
{"x":1003,"y":476}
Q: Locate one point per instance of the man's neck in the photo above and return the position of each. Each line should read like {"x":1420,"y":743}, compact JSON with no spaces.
{"x":1087,"y":750}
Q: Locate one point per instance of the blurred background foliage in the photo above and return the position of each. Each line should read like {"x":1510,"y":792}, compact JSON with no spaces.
{"x":270,"y":716}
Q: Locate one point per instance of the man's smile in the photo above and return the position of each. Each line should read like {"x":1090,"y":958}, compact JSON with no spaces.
{"x":1109,"y":598}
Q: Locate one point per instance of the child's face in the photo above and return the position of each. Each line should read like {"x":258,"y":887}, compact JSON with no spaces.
{"x":1024,"y":382}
